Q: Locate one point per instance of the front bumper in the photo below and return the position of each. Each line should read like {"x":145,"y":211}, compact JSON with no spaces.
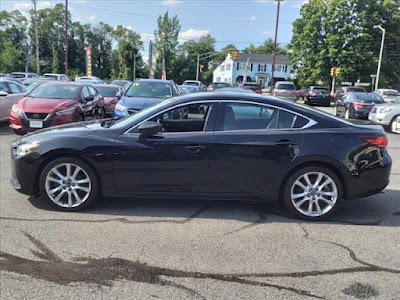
{"x":23,"y":176}
{"x":20,"y":121}
{"x":382,"y":119}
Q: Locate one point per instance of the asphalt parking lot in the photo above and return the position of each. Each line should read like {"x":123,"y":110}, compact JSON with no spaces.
{"x":159,"y":249}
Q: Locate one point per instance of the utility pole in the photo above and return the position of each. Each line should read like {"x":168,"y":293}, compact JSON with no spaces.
{"x":380,"y":55}
{"x":198,"y":67}
{"x":66,"y":37}
{"x":275,"y":43}
{"x":36,"y":38}
{"x":134,"y":66}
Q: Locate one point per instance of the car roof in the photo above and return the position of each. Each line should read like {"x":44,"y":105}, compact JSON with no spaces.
{"x":66,"y":83}
{"x":288,"y":82}
{"x":154,"y":80}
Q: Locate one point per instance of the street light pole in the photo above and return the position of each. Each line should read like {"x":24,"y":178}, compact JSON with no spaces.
{"x":36,"y":38}
{"x":380,"y":55}
{"x":276,"y":39}
{"x":66,"y":37}
{"x":198,"y":67}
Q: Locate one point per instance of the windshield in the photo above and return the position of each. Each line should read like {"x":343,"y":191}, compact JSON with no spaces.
{"x":391,"y":93}
{"x":285,"y":86}
{"x":52,"y":91}
{"x":191,"y":83}
{"x":356,"y":89}
{"x":17,"y":76}
{"x":142,"y":114}
{"x":369,"y":97}
{"x":32,"y":86}
{"x":150,"y":89}
{"x":189,"y":89}
{"x":54,"y":77}
{"x":220,"y":85}
{"x":107,"y":91}
{"x":320,"y":90}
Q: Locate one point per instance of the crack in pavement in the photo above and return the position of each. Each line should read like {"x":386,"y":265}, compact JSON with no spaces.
{"x":122,"y":220}
{"x":104,"y":271}
{"x":262,"y":218}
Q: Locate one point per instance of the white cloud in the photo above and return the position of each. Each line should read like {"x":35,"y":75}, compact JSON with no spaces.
{"x":25,"y":7}
{"x":92,"y":18}
{"x":267,"y":33}
{"x":146,"y":37}
{"x":253,"y":18}
{"x":192,"y":34}
{"x":170,"y":2}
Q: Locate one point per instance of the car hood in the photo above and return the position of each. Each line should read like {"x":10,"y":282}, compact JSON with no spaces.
{"x":45,"y":105}
{"x":139,"y":102}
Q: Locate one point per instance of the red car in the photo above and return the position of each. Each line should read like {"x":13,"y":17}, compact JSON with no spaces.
{"x":56,"y":103}
{"x":112,"y":93}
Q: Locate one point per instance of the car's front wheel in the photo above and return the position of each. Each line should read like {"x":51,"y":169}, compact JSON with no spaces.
{"x":393,"y":124}
{"x":312,"y":193}
{"x":69,"y":184}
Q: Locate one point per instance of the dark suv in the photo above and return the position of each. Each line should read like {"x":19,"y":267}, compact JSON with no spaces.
{"x":318,"y":95}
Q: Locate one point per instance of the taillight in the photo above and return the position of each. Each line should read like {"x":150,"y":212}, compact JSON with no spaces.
{"x":312,"y":94}
{"x":376,"y":140}
{"x":257,"y":91}
{"x":357,"y":105}
{"x":276,"y":93}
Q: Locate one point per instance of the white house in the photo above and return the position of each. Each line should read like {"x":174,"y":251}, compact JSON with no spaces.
{"x":260,"y":69}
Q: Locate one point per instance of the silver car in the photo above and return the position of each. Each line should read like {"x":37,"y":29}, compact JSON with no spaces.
{"x":10,"y":93}
{"x":387,"y":95}
{"x":285,"y":90}
{"x":386,"y":114}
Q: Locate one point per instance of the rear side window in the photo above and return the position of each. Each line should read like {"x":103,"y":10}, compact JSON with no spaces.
{"x":356,"y":89}
{"x":240,"y":116}
{"x":85,"y":93}
{"x":14,"y":88}
{"x":4,"y":87}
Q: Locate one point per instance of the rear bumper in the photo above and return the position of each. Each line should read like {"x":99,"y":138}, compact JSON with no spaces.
{"x":371,"y":178}
{"x":321,"y":100}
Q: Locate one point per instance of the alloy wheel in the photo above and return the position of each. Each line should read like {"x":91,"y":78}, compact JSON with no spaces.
{"x":314,"y":194}
{"x":68,"y":185}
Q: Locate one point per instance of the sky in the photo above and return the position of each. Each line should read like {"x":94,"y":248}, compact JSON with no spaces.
{"x":239,"y":22}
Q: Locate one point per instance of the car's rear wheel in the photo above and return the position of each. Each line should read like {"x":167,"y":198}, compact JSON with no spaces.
{"x":313,"y":193}
{"x":69,"y":184}
{"x":347,"y":114}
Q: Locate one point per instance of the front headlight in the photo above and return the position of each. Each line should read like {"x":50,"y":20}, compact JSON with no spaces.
{"x":385,"y":109}
{"x":120,"y":107}
{"x":16,"y":110}
{"x":65,"y":111}
{"x":25,"y":149}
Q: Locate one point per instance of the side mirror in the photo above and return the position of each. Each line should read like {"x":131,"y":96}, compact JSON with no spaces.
{"x":119,"y":95}
{"x":149,"y":128}
{"x":89,"y":98}
{"x":3,"y":94}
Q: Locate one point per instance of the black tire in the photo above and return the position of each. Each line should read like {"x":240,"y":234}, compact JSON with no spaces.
{"x":19,"y":131}
{"x":94,"y":183}
{"x":290,"y":183}
{"x":391,"y":123}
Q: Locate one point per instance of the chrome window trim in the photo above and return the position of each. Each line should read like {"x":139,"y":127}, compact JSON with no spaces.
{"x":173,"y":107}
{"x":310,"y":123}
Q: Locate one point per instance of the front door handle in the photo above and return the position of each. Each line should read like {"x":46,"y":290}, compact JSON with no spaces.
{"x":285,"y":143}
{"x":195,"y":149}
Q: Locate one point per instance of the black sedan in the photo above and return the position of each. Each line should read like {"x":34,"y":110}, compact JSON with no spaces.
{"x":238,"y":146}
{"x":357,"y":105}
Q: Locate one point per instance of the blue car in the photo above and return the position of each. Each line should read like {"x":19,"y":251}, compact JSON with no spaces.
{"x":143,"y":93}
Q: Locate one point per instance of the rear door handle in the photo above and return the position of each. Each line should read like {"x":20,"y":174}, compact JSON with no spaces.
{"x":195,"y":149}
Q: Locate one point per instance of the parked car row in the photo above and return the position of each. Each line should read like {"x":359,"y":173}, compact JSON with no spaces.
{"x":369,"y":106}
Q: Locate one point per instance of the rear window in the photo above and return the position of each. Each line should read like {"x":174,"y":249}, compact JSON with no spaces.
{"x":285,"y":86}
{"x":220,"y":85}
{"x":17,"y":75}
{"x":107,"y":91}
{"x":369,"y":97}
{"x":190,"y":83}
{"x":54,"y":77}
{"x":320,"y":90}
{"x":356,"y":89}
{"x":391,"y":93}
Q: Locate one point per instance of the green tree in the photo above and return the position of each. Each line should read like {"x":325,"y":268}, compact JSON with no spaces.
{"x":166,"y":37}
{"x":13,"y":41}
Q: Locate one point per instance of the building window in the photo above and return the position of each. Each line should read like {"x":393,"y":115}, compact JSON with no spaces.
{"x":258,"y":67}
{"x":238,"y":65}
{"x":218,"y":79}
{"x":222,"y":68}
{"x":228,"y":67}
{"x":251,"y":67}
{"x":286,"y":69}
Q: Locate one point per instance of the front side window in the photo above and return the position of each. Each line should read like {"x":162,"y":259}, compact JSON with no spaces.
{"x":54,"y":91}
{"x":85,"y":93}
{"x":242,"y":116}
{"x":92,"y":91}
{"x":14,"y":88}
{"x":188,"y":118}
{"x":4,"y":87}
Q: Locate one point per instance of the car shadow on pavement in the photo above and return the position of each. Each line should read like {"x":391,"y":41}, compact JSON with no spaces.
{"x":381,"y":209}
